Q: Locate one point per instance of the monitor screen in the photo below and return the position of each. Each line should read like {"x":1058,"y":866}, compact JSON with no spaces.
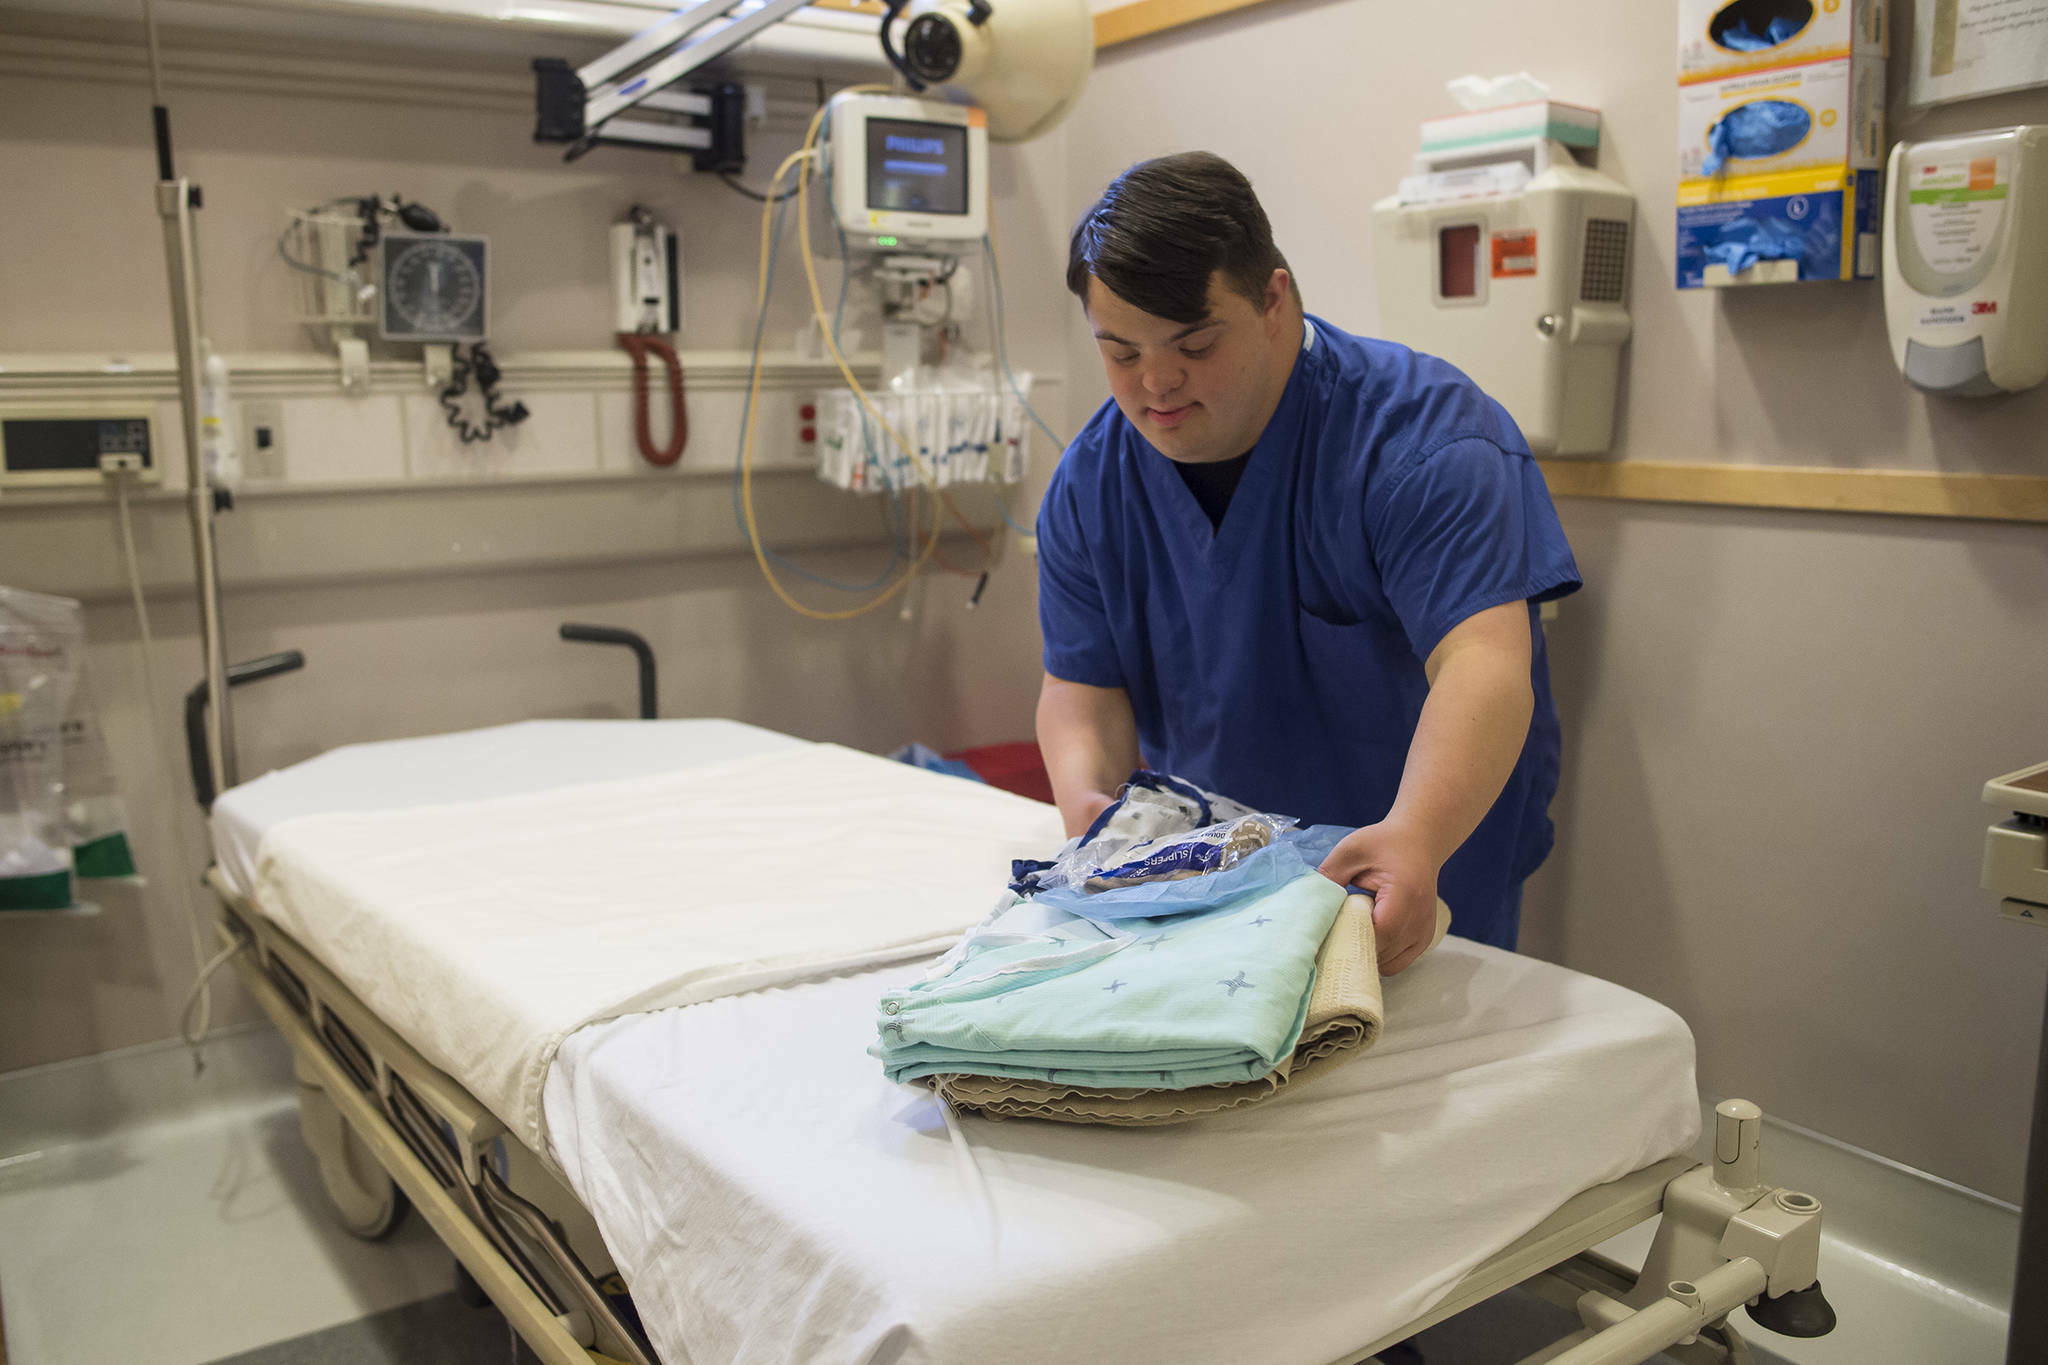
{"x":916,"y":167}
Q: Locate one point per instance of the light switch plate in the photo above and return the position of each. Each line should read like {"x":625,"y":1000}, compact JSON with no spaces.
{"x":263,"y":443}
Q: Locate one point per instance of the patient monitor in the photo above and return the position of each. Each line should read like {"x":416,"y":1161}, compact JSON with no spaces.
{"x":907,"y":174}
{"x":907,"y":199}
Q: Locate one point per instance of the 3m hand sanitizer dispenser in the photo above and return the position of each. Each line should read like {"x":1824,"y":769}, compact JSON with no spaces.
{"x":1516,"y":271}
{"x":1966,"y":261}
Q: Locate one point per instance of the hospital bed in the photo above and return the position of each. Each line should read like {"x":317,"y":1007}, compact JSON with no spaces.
{"x":697,"y":1162}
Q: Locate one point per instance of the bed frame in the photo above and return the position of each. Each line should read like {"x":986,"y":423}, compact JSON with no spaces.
{"x":388,"y":1128}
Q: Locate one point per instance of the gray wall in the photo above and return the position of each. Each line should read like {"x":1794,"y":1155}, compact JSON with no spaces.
{"x":1776,"y":724}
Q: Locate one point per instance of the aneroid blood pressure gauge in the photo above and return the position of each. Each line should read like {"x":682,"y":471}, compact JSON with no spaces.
{"x":435,"y":288}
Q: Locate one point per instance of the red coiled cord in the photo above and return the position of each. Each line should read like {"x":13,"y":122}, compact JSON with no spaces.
{"x":638,"y":346}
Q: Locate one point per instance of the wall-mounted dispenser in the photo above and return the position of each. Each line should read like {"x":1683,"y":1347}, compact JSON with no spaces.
{"x":1966,"y":261}
{"x":1516,"y":271}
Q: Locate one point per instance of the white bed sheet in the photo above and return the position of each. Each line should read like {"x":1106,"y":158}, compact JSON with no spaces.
{"x":472,"y":765}
{"x":486,"y":931}
{"x":770,"y":1197}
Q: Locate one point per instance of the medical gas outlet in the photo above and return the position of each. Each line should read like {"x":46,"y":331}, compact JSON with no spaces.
{"x":1966,"y":261}
{"x":1521,"y":281}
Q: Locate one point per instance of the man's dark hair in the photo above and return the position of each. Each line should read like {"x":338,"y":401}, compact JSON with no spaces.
{"x":1164,"y":226}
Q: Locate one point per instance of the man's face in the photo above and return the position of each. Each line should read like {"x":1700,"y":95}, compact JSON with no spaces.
{"x":1204,"y":391}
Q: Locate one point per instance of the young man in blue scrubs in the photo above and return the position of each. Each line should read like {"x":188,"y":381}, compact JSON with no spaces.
{"x":1297,"y":567}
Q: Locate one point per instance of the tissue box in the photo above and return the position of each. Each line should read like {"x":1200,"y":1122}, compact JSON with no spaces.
{"x":1712,"y":45}
{"x":1843,"y":102}
{"x":1473,"y":132}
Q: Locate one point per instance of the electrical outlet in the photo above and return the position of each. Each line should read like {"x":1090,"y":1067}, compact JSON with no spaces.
{"x":807,"y":424}
{"x":263,"y":440}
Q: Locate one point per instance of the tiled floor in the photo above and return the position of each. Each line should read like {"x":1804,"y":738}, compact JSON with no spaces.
{"x":442,"y":1330}
{"x":202,"y":1235}
{"x":181,"y":1242}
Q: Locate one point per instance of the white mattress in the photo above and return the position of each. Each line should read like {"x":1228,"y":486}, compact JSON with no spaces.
{"x":473,"y":765}
{"x":486,"y":931}
{"x":771,"y":1198}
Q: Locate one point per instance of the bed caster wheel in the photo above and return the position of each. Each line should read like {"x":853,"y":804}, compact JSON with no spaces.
{"x":468,"y":1290}
{"x":369,"y":1204}
{"x":1801,"y":1313}
{"x":366,"y":1200}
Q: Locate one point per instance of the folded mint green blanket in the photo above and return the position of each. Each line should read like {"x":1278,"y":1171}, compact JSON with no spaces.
{"x":1197,"y":999}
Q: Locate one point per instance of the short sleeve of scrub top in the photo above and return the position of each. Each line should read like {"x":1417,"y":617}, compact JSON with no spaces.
{"x":1465,"y":527}
{"x":1080,"y":646}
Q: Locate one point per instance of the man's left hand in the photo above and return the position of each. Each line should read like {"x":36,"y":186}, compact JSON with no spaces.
{"x":1395,"y":867}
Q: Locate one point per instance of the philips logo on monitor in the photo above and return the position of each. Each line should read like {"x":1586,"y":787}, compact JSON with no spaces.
{"x":916,"y":167}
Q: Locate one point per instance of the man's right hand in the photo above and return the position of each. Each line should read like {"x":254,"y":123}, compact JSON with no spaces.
{"x":1089,"y":738}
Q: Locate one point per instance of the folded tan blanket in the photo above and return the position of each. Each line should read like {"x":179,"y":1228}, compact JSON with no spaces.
{"x":1345,"y":1014}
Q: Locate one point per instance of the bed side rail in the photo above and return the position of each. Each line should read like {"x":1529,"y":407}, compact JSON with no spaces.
{"x":1725,"y":1241}
{"x":431,"y":1135}
{"x":199,"y":698}
{"x":643,"y":656}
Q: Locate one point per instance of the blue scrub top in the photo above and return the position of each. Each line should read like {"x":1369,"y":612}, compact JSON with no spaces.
{"x":1278,"y":658}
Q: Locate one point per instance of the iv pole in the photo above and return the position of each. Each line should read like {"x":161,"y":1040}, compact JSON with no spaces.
{"x":176,"y":201}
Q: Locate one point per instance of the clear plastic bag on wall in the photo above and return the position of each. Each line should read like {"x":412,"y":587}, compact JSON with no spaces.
{"x":61,"y":814}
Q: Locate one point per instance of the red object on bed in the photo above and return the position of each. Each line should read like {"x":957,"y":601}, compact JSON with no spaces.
{"x":1016,"y":767}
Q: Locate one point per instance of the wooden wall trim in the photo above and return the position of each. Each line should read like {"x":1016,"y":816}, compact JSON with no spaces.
{"x":1146,"y":17}
{"x":1884,"y":492}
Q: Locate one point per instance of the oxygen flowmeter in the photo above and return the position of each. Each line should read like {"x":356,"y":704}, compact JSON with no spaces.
{"x":1966,"y":261}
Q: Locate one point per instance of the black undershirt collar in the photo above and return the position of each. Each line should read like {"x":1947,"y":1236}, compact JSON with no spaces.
{"x":1213,"y":484}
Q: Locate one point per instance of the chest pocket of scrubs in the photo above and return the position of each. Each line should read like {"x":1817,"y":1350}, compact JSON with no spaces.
{"x":1356,"y":673}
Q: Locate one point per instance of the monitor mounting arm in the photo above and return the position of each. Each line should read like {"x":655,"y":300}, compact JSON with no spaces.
{"x":1024,"y":64}
{"x":586,"y":105}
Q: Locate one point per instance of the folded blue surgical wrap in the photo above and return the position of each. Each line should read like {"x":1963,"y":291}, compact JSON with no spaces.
{"x":1759,"y":128}
{"x":922,"y":756}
